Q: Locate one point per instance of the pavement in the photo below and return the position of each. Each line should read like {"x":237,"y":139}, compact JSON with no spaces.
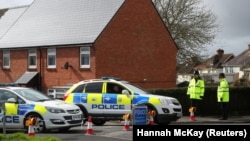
{"x":214,"y":119}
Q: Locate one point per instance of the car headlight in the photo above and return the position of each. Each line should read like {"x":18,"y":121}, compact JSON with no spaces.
{"x":55,"y":110}
{"x":165,"y":101}
{"x":169,"y":101}
{"x":175,"y":101}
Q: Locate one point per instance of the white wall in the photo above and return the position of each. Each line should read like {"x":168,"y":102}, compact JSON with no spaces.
{"x":183,"y":77}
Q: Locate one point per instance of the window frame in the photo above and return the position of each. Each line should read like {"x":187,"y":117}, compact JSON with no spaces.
{"x":51,"y":54}
{"x":6,"y":59}
{"x":32,"y":54}
{"x":84,"y":54}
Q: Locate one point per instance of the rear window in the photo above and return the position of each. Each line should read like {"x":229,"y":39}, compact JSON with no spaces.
{"x":94,"y":87}
{"x":79,"y":88}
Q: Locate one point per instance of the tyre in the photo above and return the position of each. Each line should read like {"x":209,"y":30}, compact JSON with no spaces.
{"x":40,"y":126}
{"x":98,"y":122}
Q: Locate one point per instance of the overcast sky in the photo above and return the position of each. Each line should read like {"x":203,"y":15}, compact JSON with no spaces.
{"x":232,"y":15}
{"x":234,"y":18}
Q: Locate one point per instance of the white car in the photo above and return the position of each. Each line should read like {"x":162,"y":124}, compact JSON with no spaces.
{"x":109,"y":99}
{"x":22,"y":103}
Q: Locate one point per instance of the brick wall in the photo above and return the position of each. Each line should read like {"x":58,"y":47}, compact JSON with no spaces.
{"x":136,"y":46}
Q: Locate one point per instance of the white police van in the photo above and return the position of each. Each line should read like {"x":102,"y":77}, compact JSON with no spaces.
{"x":97,"y":98}
{"x":21,"y":103}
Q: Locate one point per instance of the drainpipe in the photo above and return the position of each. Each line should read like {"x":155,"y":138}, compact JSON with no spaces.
{"x":40,"y":71}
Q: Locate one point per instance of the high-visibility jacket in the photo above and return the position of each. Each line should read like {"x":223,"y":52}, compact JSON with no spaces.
{"x":223,"y":91}
{"x":196,"y":89}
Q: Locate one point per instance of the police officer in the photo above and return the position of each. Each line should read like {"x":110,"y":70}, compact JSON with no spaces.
{"x":223,"y":96}
{"x":116,"y":89}
{"x":196,"y":89}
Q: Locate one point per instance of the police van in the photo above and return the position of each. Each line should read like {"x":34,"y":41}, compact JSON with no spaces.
{"x":18,"y":104}
{"x":100,"y":99}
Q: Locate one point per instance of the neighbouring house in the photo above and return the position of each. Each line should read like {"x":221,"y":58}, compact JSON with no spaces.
{"x":239,"y":65}
{"x":209,"y":69}
{"x":185,"y":70}
{"x":59,"y":42}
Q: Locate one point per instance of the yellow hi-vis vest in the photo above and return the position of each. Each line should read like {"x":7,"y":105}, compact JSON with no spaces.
{"x":196,"y":89}
{"x":223,"y":91}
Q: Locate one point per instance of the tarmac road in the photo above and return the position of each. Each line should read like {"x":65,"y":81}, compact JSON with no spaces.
{"x":114,"y":130}
{"x":214,"y":119}
{"x":111,"y":131}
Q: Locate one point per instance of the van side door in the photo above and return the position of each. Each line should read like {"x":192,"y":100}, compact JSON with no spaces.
{"x":115,"y":102}
{"x":93,"y":95}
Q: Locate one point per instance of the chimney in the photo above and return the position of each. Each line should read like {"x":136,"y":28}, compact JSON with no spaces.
{"x":220,"y":52}
{"x":218,"y":56}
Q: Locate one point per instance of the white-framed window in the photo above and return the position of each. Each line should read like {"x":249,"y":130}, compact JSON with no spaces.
{"x":231,"y":69}
{"x":6,"y":59}
{"x":226,"y":69}
{"x":85,"y":57}
{"x":51,"y":58}
{"x":32,"y":58}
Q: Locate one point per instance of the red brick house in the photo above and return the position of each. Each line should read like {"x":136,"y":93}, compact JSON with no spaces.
{"x":54,"y":43}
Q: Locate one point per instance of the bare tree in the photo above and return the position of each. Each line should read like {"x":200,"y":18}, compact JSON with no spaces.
{"x":191,"y":25}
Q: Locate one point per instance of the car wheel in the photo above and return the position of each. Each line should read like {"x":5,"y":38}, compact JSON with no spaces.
{"x":98,"y":122}
{"x":40,"y":126}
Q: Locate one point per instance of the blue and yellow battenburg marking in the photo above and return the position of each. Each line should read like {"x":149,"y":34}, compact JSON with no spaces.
{"x":21,"y":109}
{"x":11,"y":119}
{"x":109,"y":101}
{"x":138,"y":99}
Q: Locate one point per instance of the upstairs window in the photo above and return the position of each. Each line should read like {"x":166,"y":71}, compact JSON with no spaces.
{"x":85,"y":57}
{"x":6,"y":59}
{"x":32,"y":58}
{"x":51,"y":58}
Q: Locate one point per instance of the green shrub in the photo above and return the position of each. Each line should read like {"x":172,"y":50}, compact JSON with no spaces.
{"x":24,"y":137}
{"x":239,"y":99}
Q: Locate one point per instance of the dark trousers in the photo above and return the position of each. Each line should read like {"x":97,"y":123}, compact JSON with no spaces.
{"x":224,"y":109}
{"x":196,"y":103}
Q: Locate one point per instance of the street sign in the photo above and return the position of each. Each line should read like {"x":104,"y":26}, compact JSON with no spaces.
{"x":140,"y":115}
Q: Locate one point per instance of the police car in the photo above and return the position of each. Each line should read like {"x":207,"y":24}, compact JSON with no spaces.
{"x":22,"y":103}
{"x":97,"y":99}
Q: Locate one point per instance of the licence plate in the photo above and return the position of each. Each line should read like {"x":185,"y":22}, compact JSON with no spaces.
{"x":76,"y":117}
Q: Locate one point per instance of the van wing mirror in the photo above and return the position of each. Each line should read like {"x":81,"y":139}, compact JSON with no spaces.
{"x":11,"y":100}
{"x":126,"y":92}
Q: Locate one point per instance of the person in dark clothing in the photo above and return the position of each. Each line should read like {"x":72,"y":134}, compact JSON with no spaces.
{"x":116,"y":89}
{"x":196,"y":89}
{"x":223,"y":96}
